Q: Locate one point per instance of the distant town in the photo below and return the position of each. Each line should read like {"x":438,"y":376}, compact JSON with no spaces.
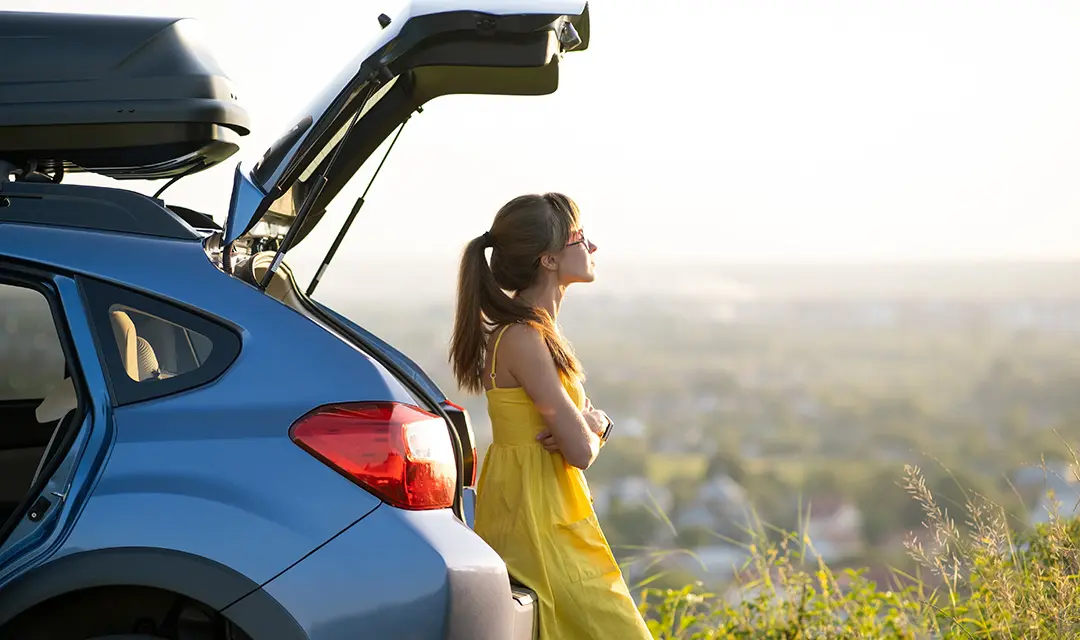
{"x":793,"y":399}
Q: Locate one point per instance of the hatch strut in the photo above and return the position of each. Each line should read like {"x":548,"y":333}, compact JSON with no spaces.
{"x":352,"y":215}
{"x":317,"y":187}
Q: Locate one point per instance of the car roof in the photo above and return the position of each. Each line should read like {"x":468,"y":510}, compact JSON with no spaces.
{"x":85,"y":207}
{"x":177,"y":269}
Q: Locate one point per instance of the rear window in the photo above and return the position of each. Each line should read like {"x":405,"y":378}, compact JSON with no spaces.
{"x":151,"y":348}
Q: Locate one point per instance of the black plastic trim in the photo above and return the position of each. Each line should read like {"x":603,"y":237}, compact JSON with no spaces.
{"x":196,"y":219}
{"x":40,"y":281}
{"x":189,"y":575}
{"x":98,"y":208}
{"x":100,"y":296}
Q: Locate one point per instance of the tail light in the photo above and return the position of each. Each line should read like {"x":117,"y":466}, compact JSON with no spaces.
{"x":400,"y":453}
{"x":460,"y":417}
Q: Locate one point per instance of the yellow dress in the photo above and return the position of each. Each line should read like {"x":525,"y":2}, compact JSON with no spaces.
{"x":536,"y":511}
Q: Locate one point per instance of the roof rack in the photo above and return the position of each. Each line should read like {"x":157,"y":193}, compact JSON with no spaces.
{"x":97,"y":208}
{"x":122,"y":96}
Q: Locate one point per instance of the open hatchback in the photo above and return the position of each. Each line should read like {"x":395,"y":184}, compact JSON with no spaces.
{"x":431,"y":48}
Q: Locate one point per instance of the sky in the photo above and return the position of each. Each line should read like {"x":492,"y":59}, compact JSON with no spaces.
{"x":727,"y":130}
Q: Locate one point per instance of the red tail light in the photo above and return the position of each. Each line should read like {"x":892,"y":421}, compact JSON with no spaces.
{"x":400,"y":453}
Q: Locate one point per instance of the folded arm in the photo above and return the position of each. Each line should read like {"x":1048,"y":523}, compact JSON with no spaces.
{"x":529,"y":362}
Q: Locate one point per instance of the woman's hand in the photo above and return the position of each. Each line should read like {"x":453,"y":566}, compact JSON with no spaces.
{"x":549,"y":442}
{"x":596,"y":420}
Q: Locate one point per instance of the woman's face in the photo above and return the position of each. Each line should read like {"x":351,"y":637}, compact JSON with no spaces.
{"x":576,"y":262}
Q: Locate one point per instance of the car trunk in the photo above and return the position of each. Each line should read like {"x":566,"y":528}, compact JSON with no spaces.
{"x":431,"y":49}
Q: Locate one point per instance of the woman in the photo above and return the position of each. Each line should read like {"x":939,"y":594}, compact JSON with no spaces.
{"x":533,"y":505}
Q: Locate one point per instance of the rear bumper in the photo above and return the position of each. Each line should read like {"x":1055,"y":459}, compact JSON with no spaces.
{"x":395,"y":574}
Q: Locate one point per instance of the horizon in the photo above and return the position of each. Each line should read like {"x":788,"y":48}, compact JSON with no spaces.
{"x":434,"y":280}
{"x":950,"y":136}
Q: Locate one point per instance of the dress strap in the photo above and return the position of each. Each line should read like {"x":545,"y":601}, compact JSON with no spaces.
{"x":494,"y":353}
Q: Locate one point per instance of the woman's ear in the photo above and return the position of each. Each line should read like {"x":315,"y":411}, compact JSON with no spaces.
{"x":549,"y":261}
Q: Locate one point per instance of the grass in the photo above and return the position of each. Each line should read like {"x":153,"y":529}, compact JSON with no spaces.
{"x":662,"y":468}
{"x":976,"y":580}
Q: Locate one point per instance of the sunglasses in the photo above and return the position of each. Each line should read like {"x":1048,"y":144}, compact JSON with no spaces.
{"x":578,"y":237}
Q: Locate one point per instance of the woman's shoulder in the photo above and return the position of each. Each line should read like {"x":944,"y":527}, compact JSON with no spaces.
{"x":522,"y":342}
{"x":518,"y":334}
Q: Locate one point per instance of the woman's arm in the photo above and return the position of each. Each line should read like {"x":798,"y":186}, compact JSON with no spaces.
{"x":529,"y":362}
{"x":597,"y":421}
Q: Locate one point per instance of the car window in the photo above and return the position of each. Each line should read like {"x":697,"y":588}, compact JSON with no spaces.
{"x":151,"y":347}
{"x":31,"y":358}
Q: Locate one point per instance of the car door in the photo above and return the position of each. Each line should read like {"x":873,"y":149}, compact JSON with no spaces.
{"x":55,"y":400}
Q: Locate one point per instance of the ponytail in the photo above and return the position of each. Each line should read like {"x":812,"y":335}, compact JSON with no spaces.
{"x":483,"y":305}
{"x":470,"y":327}
{"x":525,"y":227}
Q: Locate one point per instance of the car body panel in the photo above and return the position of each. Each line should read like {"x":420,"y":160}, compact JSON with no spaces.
{"x":406,"y":364}
{"x":220,"y":453}
{"x":216,"y":453}
{"x":449,"y":584}
{"x":153,"y":493}
{"x":182,"y":573}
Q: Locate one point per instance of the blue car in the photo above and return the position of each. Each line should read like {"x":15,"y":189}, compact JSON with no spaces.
{"x":190,"y":446}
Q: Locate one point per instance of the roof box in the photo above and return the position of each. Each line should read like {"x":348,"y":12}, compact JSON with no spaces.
{"x":125,"y":97}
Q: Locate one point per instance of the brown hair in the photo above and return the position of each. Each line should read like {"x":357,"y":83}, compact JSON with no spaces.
{"x":524,"y":229}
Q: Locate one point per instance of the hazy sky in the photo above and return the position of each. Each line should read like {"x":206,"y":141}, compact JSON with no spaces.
{"x":725,"y":129}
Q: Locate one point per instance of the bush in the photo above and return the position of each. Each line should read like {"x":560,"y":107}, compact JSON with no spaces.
{"x":981,"y":582}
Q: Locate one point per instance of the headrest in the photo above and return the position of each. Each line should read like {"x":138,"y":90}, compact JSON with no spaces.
{"x":148,"y":362}
{"x":58,"y":403}
{"x":124,"y":331}
{"x":121,"y":323}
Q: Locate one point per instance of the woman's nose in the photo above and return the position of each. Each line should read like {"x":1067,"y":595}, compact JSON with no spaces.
{"x":592,"y":247}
